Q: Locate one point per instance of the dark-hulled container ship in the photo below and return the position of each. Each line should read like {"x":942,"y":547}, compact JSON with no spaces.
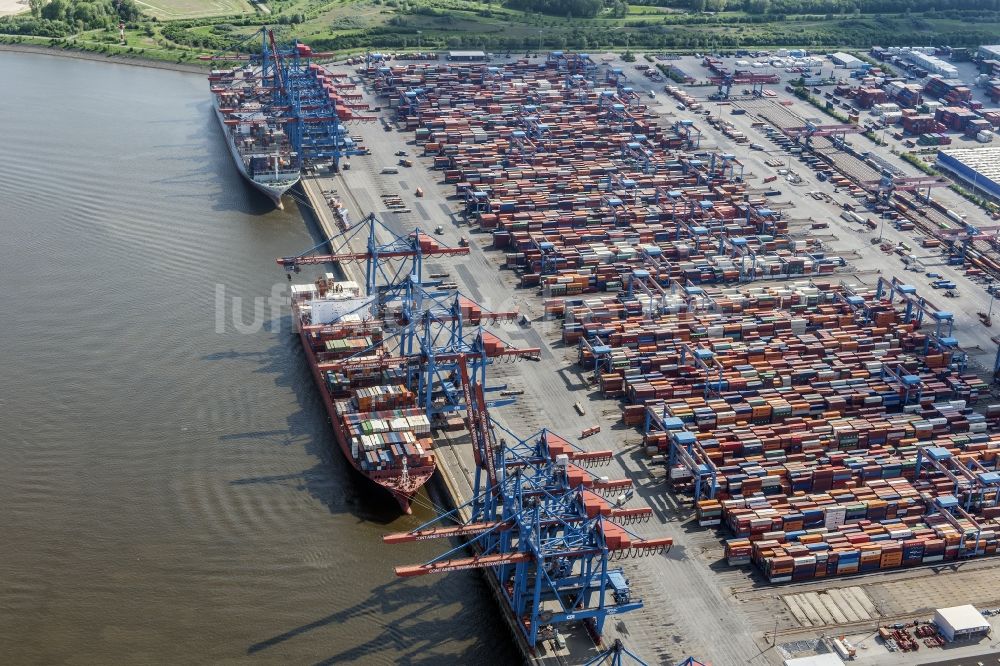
{"x":374,"y":416}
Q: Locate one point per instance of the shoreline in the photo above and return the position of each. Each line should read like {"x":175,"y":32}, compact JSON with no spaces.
{"x":137,"y":61}
{"x":445,"y":483}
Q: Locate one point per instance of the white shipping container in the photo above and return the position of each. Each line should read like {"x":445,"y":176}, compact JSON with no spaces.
{"x":680,"y":472}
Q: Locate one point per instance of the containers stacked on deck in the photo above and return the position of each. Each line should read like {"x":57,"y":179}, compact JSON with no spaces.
{"x":378,"y":414}
{"x":382,"y":438}
{"x":374,"y":415}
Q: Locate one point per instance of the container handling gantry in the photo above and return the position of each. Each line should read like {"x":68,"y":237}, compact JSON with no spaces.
{"x":889,"y":184}
{"x":424,"y":326}
{"x":315,"y":110}
{"x":837,"y":133}
{"x":917,"y":308}
{"x":445,"y":328}
{"x":388,"y":263}
{"x":572,"y":63}
{"x":958,"y":240}
{"x":973,"y":485}
{"x":619,"y":655}
{"x":727,"y":81}
{"x":537,"y":525}
{"x":687,"y":460}
{"x":296,"y":94}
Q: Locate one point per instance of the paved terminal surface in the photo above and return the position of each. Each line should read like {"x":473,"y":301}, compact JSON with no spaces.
{"x":981,"y":660}
{"x":695,"y":605}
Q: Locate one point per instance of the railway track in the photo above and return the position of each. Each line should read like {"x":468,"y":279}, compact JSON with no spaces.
{"x":929,"y":220}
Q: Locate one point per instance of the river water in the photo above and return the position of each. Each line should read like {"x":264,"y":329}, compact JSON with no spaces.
{"x":167,"y":488}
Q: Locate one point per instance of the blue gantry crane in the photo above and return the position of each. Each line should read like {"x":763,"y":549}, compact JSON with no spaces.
{"x":390,"y":259}
{"x":973,"y":485}
{"x":420,"y":328}
{"x":445,"y":329}
{"x":538,"y":526}
{"x":941,"y":339}
{"x":301,"y":98}
{"x":686,"y":458}
{"x":616,"y":655}
{"x":314,"y":108}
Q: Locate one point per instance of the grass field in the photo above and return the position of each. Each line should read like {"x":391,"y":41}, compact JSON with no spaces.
{"x":166,"y":10}
{"x":12,"y":7}
{"x":186,"y":28}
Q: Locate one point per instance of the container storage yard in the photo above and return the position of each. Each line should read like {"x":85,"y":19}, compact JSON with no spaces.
{"x":794,"y":408}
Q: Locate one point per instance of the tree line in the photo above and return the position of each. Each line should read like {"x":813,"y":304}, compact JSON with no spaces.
{"x":825,"y":6}
{"x":59,"y":18}
{"x":569,"y":8}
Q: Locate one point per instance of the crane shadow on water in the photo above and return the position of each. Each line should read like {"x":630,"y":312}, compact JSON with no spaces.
{"x":415,"y":637}
{"x":448,"y":619}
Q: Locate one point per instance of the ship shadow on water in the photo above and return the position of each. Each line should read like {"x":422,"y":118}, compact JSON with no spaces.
{"x":234,"y":194}
{"x":332,"y":481}
{"x":411,"y":637}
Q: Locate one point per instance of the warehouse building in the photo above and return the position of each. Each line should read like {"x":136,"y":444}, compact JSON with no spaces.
{"x":826,"y":659}
{"x":932,"y":64}
{"x":961,"y":623}
{"x":466,"y":56}
{"x":989,"y":52}
{"x":979,"y":167}
{"x":841,"y":59}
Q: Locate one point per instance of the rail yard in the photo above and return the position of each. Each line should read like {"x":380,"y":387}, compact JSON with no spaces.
{"x":810,"y":422}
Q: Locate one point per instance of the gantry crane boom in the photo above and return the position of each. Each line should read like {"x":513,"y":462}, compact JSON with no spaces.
{"x":478,"y":424}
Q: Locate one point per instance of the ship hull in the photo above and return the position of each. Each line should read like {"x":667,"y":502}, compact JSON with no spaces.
{"x":391,"y":481}
{"x":272,"y":192}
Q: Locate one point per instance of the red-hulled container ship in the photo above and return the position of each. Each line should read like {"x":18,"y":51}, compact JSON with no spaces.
{"x":374,"y":415}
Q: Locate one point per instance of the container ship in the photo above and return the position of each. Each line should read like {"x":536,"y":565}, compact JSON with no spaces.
{"x":374,"y":416}
{"x":259,"y":145}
